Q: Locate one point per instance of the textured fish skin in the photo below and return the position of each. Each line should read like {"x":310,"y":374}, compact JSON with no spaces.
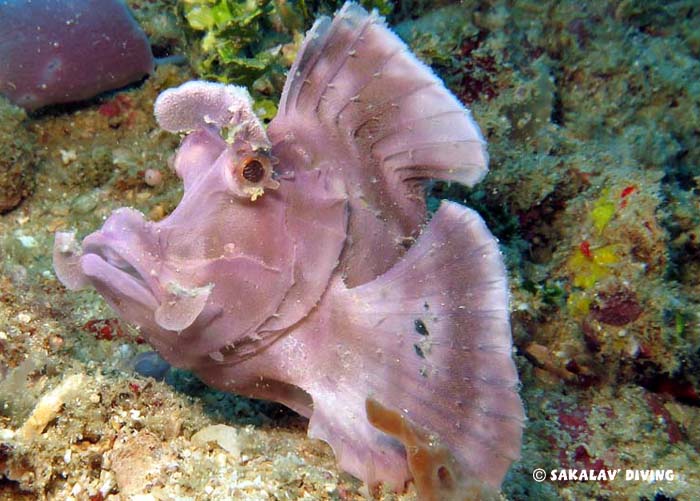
{"x":321,"y":286}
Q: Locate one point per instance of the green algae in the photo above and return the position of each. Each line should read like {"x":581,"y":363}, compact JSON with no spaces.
{"x":230,"y":29}
{"x":253,"y":43}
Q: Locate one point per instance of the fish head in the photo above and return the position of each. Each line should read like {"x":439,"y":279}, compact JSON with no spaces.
{"x":220,"y":262}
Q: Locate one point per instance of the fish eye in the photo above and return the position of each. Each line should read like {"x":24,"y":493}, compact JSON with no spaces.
{"x":253,"y":170}
{"x":250,"y":176}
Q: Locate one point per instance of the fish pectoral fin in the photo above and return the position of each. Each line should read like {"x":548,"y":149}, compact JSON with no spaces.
{"x":182,"y":306}
{"x":430,"y":342}
{"x":339,"y":419}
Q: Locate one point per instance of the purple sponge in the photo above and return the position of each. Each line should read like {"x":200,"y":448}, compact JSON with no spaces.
{"x":54,"y":51}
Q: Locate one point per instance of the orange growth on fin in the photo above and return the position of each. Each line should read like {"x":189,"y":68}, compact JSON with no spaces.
{"x":436,"y":473}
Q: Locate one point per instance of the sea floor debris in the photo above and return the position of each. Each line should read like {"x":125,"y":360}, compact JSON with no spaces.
{"x":591,"y":115}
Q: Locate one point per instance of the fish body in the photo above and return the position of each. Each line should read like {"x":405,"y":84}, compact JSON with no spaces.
{"x":299,"y":267}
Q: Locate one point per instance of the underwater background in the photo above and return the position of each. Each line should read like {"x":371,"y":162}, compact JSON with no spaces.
{"x":591,"y":111}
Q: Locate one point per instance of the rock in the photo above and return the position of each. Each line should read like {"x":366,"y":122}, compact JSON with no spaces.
{"x":16,"y":156}
{"x":61,"y":52}
{"x":136,"y":461}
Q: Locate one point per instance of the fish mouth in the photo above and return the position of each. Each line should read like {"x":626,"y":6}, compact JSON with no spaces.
{"x":117,"y":274}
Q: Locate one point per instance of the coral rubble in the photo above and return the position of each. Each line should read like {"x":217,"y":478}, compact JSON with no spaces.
{"x":591,"y":111}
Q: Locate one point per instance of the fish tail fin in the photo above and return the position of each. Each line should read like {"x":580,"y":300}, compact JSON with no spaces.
{"x":428,"y":344}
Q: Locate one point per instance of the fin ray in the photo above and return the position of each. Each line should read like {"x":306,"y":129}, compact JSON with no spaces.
{"x":354,"y":102}
{"x":421,"y":341}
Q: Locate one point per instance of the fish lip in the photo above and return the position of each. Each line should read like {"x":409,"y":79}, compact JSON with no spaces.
{"x":131,"y":287}
{"x":100,"y":246}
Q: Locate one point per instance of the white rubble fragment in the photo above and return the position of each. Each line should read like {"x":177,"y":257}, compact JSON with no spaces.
{"x":24,"y":318}
{"x":27,"y":241}
{"x":6,"y":434}
{"x":67,"y":156}
{"x":49,"y":406}
{"x":143,"y":497}
{"x":225,"y":436}
{"x":108,"y":482}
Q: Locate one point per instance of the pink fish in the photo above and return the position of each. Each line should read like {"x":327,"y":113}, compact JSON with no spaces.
{"x":299,"y":267}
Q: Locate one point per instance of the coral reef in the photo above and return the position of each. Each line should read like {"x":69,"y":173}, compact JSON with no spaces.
{"x":17,"y":156}
{"x":591,"y":114}
{"x":592,"y":117}
{"x":243,"y":309}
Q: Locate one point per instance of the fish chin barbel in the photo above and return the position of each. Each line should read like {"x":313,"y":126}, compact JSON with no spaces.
{"x":298,"y":287}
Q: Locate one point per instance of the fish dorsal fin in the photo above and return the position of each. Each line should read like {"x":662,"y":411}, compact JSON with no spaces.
{"x":357,"y":77}
{"x":359,"y":104}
